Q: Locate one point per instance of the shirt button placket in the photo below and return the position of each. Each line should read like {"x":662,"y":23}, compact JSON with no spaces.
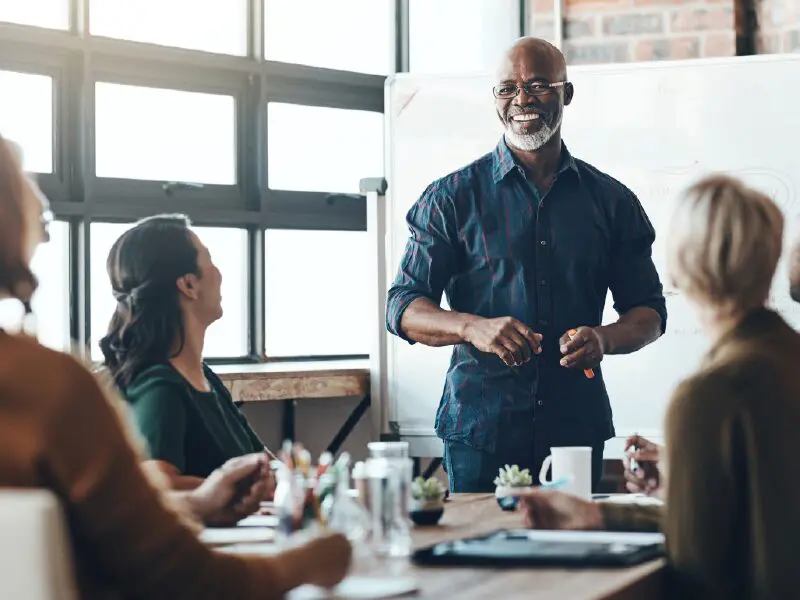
{"x":542,"y":269}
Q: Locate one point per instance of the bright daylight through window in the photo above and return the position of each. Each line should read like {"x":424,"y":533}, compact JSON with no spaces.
{"x":228,"y":247}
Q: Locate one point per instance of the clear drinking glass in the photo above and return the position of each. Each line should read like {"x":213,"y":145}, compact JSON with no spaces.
{"x":389,"y":471}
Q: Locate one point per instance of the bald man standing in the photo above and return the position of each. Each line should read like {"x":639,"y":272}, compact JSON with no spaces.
{"x":526,"y":241}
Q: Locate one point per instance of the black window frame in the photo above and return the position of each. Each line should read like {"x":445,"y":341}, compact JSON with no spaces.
{"x":75,"y":60}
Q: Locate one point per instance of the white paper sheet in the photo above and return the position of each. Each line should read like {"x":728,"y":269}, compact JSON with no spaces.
{"x":222,"y":536}
{"x":629,"y":499}
{"x":264,"y":549}
{"x":359,"y":588}
{"x":613,"y":537}
{"x":259,"y":521}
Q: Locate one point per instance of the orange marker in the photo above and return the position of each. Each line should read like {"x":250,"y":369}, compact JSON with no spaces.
{"x":588,"y":372}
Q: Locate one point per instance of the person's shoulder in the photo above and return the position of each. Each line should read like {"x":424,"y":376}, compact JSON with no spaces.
{"x":603,"y":181}
{"x":39,"y":375}
{"x":156,"y":380}
{"x":730,"y":384}
{"x":464,"y":180}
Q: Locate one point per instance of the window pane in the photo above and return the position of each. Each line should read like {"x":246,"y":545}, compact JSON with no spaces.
{"x":41,"y":13}
{"x":210,"y":25}
{"x":26,"y":116}
{"x":351,"y":142}
{"x":165,"y":135}
{"x":349,"y":35}
{"x":225,"y":338}
{"x":450,"y":36}
{"x":317,"y":293}
{"x":51,"y":301}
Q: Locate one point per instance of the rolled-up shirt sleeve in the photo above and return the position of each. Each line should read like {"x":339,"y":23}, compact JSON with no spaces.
{"x":634,"y":278}
{"x":429,"y":260}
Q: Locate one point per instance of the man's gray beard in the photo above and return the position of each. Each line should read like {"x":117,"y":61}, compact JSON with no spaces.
{"x":531,"y":142}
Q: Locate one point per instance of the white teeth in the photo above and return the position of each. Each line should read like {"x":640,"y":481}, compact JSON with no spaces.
{"x":526,"y":117}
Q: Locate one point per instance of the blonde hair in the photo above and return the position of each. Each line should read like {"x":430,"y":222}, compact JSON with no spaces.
{"x":724,"y":243}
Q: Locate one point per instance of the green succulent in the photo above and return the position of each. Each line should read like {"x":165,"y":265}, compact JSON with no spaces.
{"x":427,"y":489}
{"x":513,"y":477}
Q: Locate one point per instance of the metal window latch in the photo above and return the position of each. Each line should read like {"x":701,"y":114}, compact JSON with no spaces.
{"x":171,"y":187}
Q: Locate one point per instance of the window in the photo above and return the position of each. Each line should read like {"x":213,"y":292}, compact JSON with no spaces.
{"x":53,"y":14}
{"x":349,"y":35}
{"x":128,"y":108}
{"x":26,"y":116}
{"x":165,"y":135}
{"x":317,"y":293}
{"x":228,"y":247}
{"x":351,"y":142}
{"x":50,"y":303}
{"x":448,"y":36}
{"x":210,"y":25}
{"x":228,"y":336}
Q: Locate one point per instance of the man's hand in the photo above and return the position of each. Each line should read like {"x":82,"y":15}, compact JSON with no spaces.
{"x":550,"y":509}
{"x":514,"y":342}
{"x":233,"y":491}
{"x":646,"y":478}
{"x":583,"y":351}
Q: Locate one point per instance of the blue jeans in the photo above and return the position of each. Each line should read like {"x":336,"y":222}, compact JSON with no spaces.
{"x":470,"y":470}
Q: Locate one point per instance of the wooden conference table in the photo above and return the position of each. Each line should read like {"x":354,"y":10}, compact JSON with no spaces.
{"x":473,"y":514}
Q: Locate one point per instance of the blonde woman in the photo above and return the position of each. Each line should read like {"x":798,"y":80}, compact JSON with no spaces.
{"x":730,"y":484}
{"x":59,"y":431}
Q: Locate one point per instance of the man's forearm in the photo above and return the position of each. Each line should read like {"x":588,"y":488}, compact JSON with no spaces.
{"x":429,"y":324}
{"x":634,"y":330}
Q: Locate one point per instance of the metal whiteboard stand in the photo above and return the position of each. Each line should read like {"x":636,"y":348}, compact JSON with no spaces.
{"x":374,"y":189}
{"x":384,"y":426}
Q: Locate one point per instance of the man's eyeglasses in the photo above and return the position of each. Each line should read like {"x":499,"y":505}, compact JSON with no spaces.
{"x":534,"y":88}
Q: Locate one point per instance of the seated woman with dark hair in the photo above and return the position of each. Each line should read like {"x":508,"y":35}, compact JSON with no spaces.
{"x":168,"y":293}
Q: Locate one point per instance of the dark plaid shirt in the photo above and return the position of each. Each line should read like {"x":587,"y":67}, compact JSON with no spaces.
{"x":484,"y":236}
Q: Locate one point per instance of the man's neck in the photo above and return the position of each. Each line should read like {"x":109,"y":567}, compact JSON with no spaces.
{"x":542,"y":164}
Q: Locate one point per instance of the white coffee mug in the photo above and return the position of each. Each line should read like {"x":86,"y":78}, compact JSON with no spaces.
{"x":573,"y":465}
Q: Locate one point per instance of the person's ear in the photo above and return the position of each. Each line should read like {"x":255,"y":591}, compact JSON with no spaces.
{"x":188,"y":286}
{"x":569,"y":92}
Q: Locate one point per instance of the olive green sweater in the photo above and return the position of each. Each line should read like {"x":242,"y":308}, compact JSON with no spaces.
{"x":731,"y":517}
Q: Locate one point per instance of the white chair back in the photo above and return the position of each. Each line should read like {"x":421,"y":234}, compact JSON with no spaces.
{"x":35,"y":554}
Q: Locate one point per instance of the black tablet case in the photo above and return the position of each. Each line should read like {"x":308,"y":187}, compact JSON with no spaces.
{"x":514,"y":548}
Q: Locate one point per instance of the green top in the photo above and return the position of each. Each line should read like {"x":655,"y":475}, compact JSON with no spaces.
{"x":193,"y":430}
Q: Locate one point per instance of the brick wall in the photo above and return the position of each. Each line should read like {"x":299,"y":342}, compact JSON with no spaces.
{"x":778,"y":26}
{"x":604,"y":31}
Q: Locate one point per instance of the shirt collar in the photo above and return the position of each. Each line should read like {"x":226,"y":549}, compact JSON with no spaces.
{"x":503,"y":161}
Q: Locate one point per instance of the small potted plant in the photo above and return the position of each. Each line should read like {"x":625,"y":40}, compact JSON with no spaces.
{"x":427,"y":501}
{"x":510,"y":482}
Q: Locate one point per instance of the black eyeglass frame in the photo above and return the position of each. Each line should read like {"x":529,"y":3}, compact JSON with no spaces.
{"x":545,"y":88}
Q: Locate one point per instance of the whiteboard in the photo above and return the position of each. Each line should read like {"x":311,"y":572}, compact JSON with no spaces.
{"x":656,"y":127}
